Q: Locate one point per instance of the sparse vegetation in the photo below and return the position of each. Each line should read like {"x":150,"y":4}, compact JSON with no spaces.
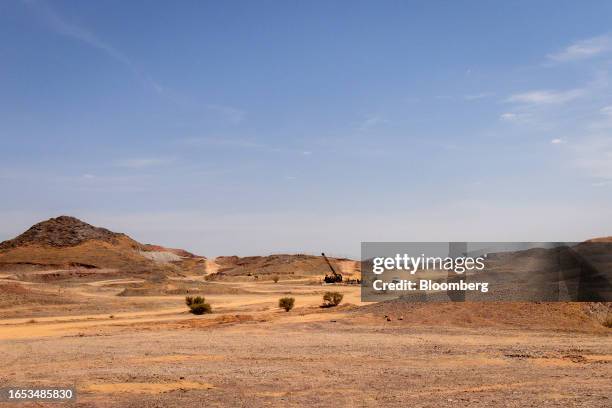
{"x":197,"y":305}
{"x":332,"y":299}
{"x":200,"y":308}
{"x":275,"y":278}
{"x":608,"y":322}
{"x":286,"y":303}
{"x":191,"y":300}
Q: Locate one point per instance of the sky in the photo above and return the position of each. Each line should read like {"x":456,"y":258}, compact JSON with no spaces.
{"x":242,"y":127}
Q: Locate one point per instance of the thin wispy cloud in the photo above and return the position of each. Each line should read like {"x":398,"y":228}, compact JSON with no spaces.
{"x":475,"y":97}
{"x":142,"y":162}
{"x":602,"y":122}
{"x":584,"y":49}
{"x":86,"y":182}
{"x":508,"y":116}
{"x":594,"y":155}
{"x":372,"y":121}
{"x":516,"y":117}
{"x":607,"y":111}
{"x":60,"y":25}
{"x":242,"y":144}
{"x":229,"y":113}
{"x":545,"y":97}
{"x":558,"y":141}
{"x":232,"y":142}
{"x":90,"y":183}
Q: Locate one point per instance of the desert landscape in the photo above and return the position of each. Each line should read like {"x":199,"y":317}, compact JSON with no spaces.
{"x":85,"y":307}
{"x":305,"y":204}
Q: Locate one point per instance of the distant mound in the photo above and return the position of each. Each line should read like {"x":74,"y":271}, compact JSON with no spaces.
{"x":63,"y":231}
{"x":178,"y":252}
{"x":67,"y":242}
{"x":601,"y":239}
{"x":299,"y":265}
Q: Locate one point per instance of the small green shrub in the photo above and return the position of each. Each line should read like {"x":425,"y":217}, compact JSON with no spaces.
{"x":332,"y":299}
{"x":286,"y":303}
{"x":197,"y":305}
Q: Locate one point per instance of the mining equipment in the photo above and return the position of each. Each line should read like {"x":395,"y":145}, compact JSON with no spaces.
{"x":335,"y":277}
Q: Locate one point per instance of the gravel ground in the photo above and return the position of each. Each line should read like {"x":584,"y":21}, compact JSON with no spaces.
{"x":334,"y":359}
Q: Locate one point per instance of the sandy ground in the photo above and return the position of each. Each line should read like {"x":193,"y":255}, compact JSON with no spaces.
{"x":248,"y":353}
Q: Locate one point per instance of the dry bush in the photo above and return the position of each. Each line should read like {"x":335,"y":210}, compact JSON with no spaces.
{"x":286,"y":303}
{"x":332,"y":299}
{"x":197,"y":305}
{"x":275,"y":278}
{"x":200,"y":308}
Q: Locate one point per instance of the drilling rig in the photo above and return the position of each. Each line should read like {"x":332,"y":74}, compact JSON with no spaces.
{"x":335,"y":277}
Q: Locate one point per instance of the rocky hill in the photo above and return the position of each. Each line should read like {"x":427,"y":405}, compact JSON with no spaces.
{"x":67,"y":242}
{"x":63,"y":231}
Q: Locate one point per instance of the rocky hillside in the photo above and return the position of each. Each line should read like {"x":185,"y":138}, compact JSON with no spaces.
{"x":67,"y":242}
{"x":63,"y":231}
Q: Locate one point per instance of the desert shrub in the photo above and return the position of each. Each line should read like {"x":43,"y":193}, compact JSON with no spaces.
{"x":191,"y":300}
{"x":200,"y":308}
{"x":286,"y":303}
{"x":332,"y":299}
{"x":608,"y":322}
{"x":197,"y":305}
{"x":275,"y":278}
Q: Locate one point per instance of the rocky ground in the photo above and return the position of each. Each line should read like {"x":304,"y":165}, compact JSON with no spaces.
{"x":146,"y":351}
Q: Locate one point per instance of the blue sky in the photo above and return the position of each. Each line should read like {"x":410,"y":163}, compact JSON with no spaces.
{"x":259,"y":127}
